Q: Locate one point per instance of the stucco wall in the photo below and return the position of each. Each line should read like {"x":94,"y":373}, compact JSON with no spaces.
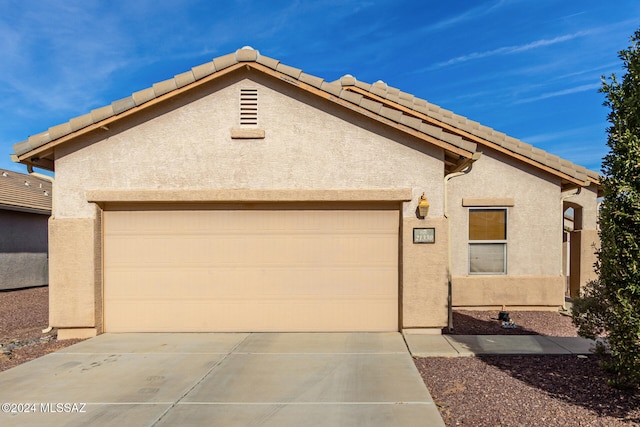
{"x":23,"y":249}
{"x":584,"y":239}
{"x":583,"y":246}
{"x":424,"y":276}
{"x":534,"y":234}
{"x":514,"y":292}
{"x":587,"y":200}
{"x":72,"y":293}
{"x":309,"y":144}
{"x":190,"y":147}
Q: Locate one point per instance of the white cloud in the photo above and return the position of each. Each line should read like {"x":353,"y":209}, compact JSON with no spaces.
{"x":587,"y":152}
{"x":569,"y":91}
{"x":584,"y":145}
{"x":64,"y":56}
{"x":468,"y":15}
{"x":564,"y":134}
{"x":508,"y":50}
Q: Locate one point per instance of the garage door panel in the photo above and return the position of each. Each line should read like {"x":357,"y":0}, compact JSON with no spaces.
{"x":264,"y":316}
{"x":215,"y":270}
{"x":229,"y":283}
{"x":212,"y":249}
{"x":234,"y":221}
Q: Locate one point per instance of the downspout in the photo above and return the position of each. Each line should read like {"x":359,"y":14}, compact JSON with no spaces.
{"x":562,"y":199}
{"x":466,"y":168}
{"x":39,"y":175}
{"x":51,"y":180}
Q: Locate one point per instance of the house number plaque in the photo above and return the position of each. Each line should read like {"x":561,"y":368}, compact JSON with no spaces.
{"x":424,"y":235}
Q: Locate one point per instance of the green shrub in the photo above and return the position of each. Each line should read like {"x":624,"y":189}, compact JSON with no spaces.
{"x":611,"y":305}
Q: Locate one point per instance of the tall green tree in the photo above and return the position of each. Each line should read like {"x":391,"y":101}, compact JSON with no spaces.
{"x":611,"y":305}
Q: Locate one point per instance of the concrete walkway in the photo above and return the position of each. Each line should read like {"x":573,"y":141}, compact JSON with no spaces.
{"x":355,"y":379}
{"x":477,"y":345}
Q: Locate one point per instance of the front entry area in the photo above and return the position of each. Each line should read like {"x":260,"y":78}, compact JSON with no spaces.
{"x":250,"y":268}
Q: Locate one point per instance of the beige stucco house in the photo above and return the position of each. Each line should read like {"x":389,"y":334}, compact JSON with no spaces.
{"x":25,"y":207}
{"x":246,"y":195}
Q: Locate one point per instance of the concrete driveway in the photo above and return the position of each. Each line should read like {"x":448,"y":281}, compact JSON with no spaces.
{"x":259,"y":379}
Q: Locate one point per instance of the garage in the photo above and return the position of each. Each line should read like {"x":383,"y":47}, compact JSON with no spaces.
{"x":251,"y":267}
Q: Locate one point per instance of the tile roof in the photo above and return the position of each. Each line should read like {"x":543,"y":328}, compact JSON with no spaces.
{"x":379,"y":98}
{"x":20,"y":192}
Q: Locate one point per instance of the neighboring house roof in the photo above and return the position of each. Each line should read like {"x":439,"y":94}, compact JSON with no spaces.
{"x":24,"y":193}
{"x":457,"y":135}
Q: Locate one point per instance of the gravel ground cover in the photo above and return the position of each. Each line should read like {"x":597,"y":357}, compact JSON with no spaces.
{"x":524,"y":390}
{"x":24,"y":313}
{"x":549,"y":323}
{"x":469,"y":391}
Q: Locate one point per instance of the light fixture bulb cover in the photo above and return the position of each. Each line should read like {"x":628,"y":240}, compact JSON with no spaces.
{"x":423,"y":206}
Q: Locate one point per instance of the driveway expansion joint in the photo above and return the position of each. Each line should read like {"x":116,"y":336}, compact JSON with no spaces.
{"x":206,"y":374}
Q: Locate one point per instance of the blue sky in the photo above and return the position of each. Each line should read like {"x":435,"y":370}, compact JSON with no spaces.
{"x":528,"y":68}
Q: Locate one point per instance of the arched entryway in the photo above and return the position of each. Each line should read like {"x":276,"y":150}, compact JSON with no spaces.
{"x":578,"y":249}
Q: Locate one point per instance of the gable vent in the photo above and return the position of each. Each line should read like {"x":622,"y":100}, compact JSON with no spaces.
{"x":249,"y":107}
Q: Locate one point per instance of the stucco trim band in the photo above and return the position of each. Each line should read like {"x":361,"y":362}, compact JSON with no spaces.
{"x":470,"y":291}
{"x":246,"y":195}
{"x":76,"y":333}
{"x":488,"y":201}
{"x":247,"y":134}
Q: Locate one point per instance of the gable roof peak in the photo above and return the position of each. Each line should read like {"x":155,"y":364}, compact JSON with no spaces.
{"x":348,"y":80}
{"x":399,"y":107}
{"x":247,"y":54}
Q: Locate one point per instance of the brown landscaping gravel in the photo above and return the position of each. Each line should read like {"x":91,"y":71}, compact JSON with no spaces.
{"x":469,"y":391}
{"x":526,"y":391}
{"x":24,"y":313}
{"x":549,"y":323}
{"x":33,"y":351}
{"x":554,"y":390}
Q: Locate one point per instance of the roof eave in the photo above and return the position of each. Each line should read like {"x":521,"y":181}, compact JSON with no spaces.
{"x":42,"y":156}
{"x":26,"y":209}
{"x":474,"y":138}
{"x":342,"y":100}
{"x":37,"y":154}
{"x":455,"y":134}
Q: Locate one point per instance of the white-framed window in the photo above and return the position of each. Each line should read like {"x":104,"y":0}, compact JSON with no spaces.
{"x":487,"y":241}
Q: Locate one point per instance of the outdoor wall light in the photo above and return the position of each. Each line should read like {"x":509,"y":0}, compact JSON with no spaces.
{"x":423,"y":207}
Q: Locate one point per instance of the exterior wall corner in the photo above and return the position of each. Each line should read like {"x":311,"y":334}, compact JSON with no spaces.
{"x":424,"y":276}
{"x":72,"y":273}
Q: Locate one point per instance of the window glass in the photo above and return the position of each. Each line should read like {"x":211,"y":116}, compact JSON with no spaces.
{"x":487,"y":258}
{"x":487,"y":241}
{"x":488,"y":224}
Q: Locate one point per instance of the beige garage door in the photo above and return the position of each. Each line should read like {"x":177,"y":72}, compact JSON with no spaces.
{"x":242,"y":269}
